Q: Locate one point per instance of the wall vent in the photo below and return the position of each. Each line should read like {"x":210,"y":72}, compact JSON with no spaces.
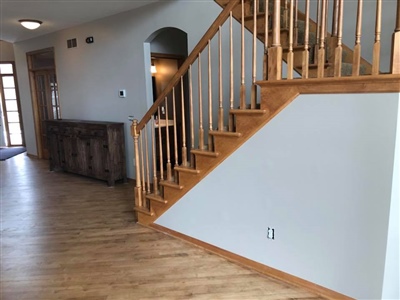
{"x":72,"y":43}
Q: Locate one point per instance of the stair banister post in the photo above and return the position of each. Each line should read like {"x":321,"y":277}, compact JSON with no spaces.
{"x":275,"y":52}
{"x":339,"y":50}
{"x":377,"y":45}
{"x":395,"y":58}
{"x":138,"y":187}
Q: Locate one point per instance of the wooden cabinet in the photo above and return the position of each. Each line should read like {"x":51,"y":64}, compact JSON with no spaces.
{"x":90,"y":148}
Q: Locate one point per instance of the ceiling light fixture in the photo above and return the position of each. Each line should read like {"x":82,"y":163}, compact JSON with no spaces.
{"x":30,"y":24}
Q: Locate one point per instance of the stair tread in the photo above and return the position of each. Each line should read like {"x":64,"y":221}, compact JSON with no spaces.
{"x":143,"y":210}
{"x":171,"y":184}
{"x":225,"y":133}
{"x":187,"y":170}
{"x":204,"y":152}
{"x":157,"y":198}
{"x":248,"y":111}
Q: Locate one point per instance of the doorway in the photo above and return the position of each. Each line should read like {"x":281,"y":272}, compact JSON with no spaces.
{"x":165,"y":51}
{"x":44,"y":92}
{"x":164,"y":67}
{"x":12,"y":127}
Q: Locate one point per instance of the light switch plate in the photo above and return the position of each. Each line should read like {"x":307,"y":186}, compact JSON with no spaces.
{"x":122,"y":93}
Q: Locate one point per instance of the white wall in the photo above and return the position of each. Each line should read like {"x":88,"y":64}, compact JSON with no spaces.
{"x":6,"y":51}
{"x":90,"y":75}
{"x":391,"y":287}
{"x":320,"y":173}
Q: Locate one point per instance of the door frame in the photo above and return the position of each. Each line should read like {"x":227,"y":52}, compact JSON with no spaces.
{"x":35,"y":103}
{"x":4,"y":110}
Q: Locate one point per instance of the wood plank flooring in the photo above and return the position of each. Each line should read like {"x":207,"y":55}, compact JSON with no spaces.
{"x":64,"y":236}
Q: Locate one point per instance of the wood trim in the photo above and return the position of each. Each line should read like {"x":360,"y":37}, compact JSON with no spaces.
{"x":223,"y":16}
{"x":389,"y":83}
{"x":256,"y":266}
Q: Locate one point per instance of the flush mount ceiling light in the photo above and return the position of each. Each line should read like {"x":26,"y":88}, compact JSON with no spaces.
{"x":30,"y":24}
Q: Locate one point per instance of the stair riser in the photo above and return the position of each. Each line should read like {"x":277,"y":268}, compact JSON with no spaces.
{"x":221,"y":143}
{"x":204,"y":162}
{"x":158,"y":208}
{"x":172,"y":193}
{"x":243,"y":122}
{"x":187,"y":178}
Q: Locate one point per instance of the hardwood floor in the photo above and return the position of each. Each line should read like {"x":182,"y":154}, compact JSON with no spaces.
{"x":64,"y":236}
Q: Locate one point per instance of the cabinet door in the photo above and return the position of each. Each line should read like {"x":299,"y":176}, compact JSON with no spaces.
{"x":99,"y":159}
{"x":70,"y":154}
{"x":54,"y":151}
{"x":83,"y":156}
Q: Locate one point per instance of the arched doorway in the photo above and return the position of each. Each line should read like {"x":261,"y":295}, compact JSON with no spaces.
{"x":165,"y":51}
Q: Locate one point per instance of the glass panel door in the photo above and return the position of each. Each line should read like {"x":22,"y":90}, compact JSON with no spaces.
{"x":10,"y":106}
{"x":47,"y":101}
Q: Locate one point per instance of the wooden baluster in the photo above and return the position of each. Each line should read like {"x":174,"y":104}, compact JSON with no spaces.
{"x":242,"y":83}
{"x":201,"y":129}
{"x":169,"y":170}
{"x":191,"y":114}
{"x":231,"y":90}
{"x":275,"y":51}
{"x":338,"y":50}
{"x":377,"y":45}
{"x":138,"y":187}
{"x":357,"y":46}
{"x":331,"y":43}
{"x":290,"y":56}
{"x":142,"y":165}
{"x":266,"y":29}
{"x":321,"y":49}
{"x":221,"y":108}
{"x":395,"y":58}
{"x":286,"y":14}
{"x":175,"y":129}
{"x":318,"y":32}
{"x":153,"y":151}
{"x":254,"y":64}
{"x":184,"y":148}
{"x":146,"y":142}
{"x":160,"y":145}
{"x":306,"y":53}
{"x":296,"y":23}
{"x":335,"y":18}
{"x":210,"y":114}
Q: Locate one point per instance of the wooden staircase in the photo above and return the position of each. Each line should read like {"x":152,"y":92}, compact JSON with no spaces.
{"x":157,"y":190}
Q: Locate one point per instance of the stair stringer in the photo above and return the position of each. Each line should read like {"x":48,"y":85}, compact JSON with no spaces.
{"x":248,"y":122}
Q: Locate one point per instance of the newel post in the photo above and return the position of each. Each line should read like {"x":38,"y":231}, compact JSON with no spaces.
{"x":138,"y":193}
{"x":275,"y":51}
{"x":395,"y":63}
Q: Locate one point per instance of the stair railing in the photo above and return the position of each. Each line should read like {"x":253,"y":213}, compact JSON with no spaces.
{"x":269,"y":20}
{"x":155,"y":159}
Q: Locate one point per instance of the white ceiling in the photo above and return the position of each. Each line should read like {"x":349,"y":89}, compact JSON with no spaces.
{"x":56,"y":14}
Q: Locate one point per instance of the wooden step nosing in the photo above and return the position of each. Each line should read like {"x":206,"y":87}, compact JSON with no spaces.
{"x":156,"y":198}
{"x":225,"y":133}
{"x":204,"y":153}
{"x":187,"y":170}
{"x":248,"y":111}
{"x":171,"y":185}
{"x":143,"y":211}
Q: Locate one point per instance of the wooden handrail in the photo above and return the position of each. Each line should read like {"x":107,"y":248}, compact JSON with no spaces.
{"x":223,"y":16}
